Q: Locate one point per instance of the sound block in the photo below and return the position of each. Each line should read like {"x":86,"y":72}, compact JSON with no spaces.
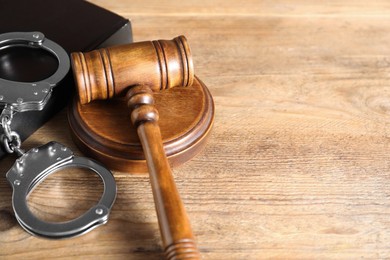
{"x":103,"y":129}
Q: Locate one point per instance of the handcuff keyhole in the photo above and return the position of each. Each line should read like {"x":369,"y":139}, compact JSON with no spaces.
{"x":66,"y":195}
{"x":26,"y":64}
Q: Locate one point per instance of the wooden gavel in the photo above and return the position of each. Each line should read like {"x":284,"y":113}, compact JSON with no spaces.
{"x":136,"y":70}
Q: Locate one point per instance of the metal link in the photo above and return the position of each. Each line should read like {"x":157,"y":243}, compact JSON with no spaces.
{"x":10,"y":139}
{"x":20,"y":152}
{"x":12,"y":143}
{"x":6,"y":125}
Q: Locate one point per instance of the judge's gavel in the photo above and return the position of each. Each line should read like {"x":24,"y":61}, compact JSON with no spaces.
{"x":136,"y":70}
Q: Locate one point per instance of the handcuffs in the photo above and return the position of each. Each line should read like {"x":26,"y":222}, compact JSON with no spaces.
{"x":34,"y":166}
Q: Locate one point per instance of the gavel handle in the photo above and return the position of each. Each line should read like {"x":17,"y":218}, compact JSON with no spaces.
{"x":175,"y":229}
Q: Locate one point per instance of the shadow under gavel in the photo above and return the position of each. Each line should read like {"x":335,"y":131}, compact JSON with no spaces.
{"x":136,"y":70}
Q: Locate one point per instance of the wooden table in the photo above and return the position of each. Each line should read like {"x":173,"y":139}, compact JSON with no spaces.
{"x":298,"y":165}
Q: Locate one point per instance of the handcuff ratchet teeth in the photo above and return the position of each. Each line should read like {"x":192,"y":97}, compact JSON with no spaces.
{"x":32,"y":167}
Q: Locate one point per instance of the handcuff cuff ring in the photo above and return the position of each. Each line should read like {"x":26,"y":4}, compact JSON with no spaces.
{"x":32,"y":167}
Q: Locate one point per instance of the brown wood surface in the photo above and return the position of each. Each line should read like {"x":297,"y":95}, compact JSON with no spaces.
{"x":298,"y":162}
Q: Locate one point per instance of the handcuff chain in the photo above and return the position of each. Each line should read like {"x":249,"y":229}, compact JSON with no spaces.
{"x":10,"y":139}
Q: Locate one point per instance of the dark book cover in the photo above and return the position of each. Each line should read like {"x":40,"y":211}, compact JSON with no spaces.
{"x":73,"y":24}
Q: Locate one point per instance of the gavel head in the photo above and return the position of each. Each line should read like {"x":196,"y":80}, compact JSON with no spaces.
{"x":109,"y":72}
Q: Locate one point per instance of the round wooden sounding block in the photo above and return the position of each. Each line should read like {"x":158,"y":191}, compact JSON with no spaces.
{"x":103,"y":129}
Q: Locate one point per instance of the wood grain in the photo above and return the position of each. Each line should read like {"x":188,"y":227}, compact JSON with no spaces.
{"x":297,"y":166}
{"x":103,"y":129}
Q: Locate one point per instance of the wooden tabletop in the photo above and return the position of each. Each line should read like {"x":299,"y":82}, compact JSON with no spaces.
{"x":298,"y":164}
